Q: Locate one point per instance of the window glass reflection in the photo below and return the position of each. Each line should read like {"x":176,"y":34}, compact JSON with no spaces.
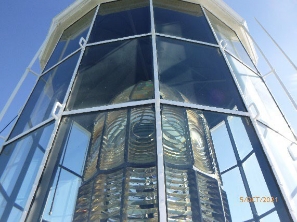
{"x":20,"y":162}
{"x":117,"y":151}
{"x":61,"y":198}
{"x":50,"y":88}
{"x":255,"y":177}
{"x":233,"y":186}
{"x":76,"y":150}
{"x":121,"y":19}
{"x":220,"y":136}
{"x":112,"y":73}
{"x":69,"y":41}
{"x":241,"y":139}
{"x":258,"y":98}
{"x":182,"y":19}
{"x":227,"y":188}
{"x":229,"y":39}
{"x":198,"y":72}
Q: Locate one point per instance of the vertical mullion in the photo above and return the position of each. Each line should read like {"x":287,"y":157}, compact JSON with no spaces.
{"x":242,"y":173}
{"x":55,"y":131}
{"x":160,"y":154}
{"x":83,"y":48}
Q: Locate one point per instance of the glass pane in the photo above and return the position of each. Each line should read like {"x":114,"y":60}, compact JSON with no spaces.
{"x":258,"y":98}
{"x":111,"y":73}
{"x":224,"y":153}
{"x":15,"y":215}
{"x":255,"y":177}
{"x":62,"y":197}
{"x":230,"y":40}
{"x":75,"y":151}
{"x":233,"y":186}
{"x":197,"y":74}
{"x":69,"y":41}
{"x":241,"y":139}
{"x":215,"y":138}
{"x":3,"y":203}
{"x":182,"y":19}
{"x":20,"y":162}
{"x":272,"y":217}
{"x":29,"y":179}
{"x":121,"y":19}
{"x":50,"y":88}
{"x":117,"y":151}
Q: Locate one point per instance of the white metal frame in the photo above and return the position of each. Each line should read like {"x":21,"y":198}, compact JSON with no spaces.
{"x":266,"y":149}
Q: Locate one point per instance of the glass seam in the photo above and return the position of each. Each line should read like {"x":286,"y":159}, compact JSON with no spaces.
{"x":187,"y":40}
{"x":61,"y":61}
{"x":118,"y":39}
{"x":109,"y":107}
{"x":206,"y":108}
{"x":83,"y":48}
{"x":246,"y":65}
{"x":28,"y":131}
{"x":40,"y":171}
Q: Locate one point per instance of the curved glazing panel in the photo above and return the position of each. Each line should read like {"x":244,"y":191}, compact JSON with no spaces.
{"x":51,"y":88}
{"x":19,"y":164}
{"x":198,"y":72}
{"x":229,"y":40}
{"x":107,"y":162}
{"x":120,"y":19}
{"x":258,"y":98}
{"x":182,"y":19}
{"x":69,"y":41}
{"x":107,"y":72}
{"x":218,"y":189}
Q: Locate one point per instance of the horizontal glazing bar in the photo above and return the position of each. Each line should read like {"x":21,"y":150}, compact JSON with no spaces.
{"x":109,"y":107}
{"x":46,"y":71}
{"x":230,"y":53}
{"x":28,"y":131}
{"x":119,"y":39}
{"x":187,"y":40}
{"x":206,"y":108}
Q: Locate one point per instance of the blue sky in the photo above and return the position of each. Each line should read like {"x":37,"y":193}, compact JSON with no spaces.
{"x":24,"y":26}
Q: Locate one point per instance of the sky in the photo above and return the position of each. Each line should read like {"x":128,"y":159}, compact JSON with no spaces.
{"x":24,"y":26}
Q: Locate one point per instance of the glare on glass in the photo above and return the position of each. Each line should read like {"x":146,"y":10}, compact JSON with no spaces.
{"x":50,"y":88}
